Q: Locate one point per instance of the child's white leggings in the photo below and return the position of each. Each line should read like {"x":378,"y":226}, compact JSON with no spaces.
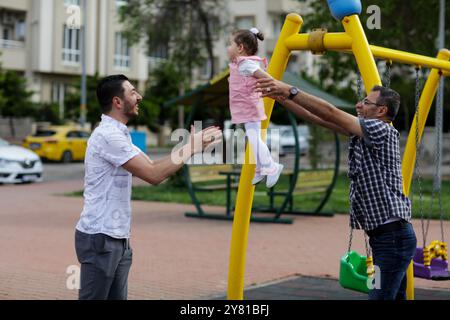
{"x":263,"y":158}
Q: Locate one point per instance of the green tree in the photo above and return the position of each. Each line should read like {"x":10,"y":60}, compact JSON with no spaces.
{"x":163,"y":85}
{"x":185,"y":29}
{"x":408,"y":26}
{"x":72,"y":101}
{"x":15,"y":98}
{"x":48,"y":112}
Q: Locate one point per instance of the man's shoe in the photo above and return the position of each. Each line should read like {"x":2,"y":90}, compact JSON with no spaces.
{"x":272,"y":179}
{"x":258,"y":178}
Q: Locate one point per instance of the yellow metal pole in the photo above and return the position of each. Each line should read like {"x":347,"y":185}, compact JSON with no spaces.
{"x":331,"y":41}
{"x":410,"y":58}
{"x":428,"y":93}
{"x":342,"y":42}
{"x":246,"y":190}
{"x":409,"y":156}
{"x":361,"y":50}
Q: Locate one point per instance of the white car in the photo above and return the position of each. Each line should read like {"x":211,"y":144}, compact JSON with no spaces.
{"x":282,"y":139}
{"x":18,"y":165}
{"x":287,"y":141}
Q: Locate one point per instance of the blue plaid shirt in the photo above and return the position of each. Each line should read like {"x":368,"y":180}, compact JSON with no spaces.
{"x":376,"y":188}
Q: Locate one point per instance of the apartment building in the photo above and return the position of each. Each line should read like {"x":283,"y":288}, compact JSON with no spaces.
{"x":38,"y":39}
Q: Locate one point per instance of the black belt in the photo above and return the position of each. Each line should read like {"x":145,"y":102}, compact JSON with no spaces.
{"x":392,"y":226}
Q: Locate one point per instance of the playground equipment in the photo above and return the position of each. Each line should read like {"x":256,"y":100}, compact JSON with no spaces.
{"x":315,"y":183}
{"x":356,"y":270}
{"x":430,"y":261}
{"x":354,"y":41}
{"x":318,"y":180}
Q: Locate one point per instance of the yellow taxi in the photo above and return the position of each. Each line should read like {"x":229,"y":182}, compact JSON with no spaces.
{"x":58,"y":143}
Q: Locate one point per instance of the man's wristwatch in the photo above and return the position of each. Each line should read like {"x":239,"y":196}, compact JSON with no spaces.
{"x":293,"y":91}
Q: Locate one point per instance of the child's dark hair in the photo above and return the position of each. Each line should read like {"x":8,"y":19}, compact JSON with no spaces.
{"x":248,"y":39}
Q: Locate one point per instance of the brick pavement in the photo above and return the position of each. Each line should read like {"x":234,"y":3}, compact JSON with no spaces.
{"x":174,"y":257}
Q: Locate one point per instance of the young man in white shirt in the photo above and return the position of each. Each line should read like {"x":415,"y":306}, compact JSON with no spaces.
{"x":103,"y":231}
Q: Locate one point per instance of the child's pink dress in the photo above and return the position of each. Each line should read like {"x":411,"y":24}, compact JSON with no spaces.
{"x":246,"y":105}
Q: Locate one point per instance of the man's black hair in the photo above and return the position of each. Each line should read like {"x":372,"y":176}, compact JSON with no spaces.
{"x":108,"y":88}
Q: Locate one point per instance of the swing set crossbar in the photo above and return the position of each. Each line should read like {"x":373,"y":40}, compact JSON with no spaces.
{"x":342,"y":42}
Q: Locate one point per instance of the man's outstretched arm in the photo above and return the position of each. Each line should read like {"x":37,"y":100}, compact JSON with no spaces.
{"x":317,"y":106}
{"x":301,"y":112}
{"x":155,"y":172}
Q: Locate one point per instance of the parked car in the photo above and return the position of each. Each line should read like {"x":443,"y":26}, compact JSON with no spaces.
{"x":18,"y":165}
{"x":58,"y":143}
{"x":282,"y":137}
{"x":287,"y":141}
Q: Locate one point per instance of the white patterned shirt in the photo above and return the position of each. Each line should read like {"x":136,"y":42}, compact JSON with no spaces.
{"x":107,"y":186}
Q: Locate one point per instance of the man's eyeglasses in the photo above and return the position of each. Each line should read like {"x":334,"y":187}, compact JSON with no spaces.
{"x":367,"y":102}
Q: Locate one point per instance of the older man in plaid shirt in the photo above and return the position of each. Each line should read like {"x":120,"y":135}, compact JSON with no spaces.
{"x":378,"y":204}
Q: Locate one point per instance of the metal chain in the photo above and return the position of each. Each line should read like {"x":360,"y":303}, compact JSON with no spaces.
{"x":351,"y":239}
{"x":438,"y":183}
{"x":359,"y":94}
{"x":359,"y":85}
{"x":418,"y":155}
{"x":437,"y":161}
{"x":387,"y":74}
{"x":368,"y":251}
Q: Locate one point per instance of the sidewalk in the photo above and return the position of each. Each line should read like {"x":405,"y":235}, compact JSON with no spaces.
{"x":174,"y":257}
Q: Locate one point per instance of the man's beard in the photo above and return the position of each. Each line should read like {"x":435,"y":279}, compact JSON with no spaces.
{"x":128,"y":110}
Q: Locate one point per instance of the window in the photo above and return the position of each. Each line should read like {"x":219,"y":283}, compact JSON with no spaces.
{"x":160,"y":52}
{"x":58,"y":96}
{"x":44,"y":133}
{"x":244,"y":22}
{"x":71,"y":46}
{"x":12,"y":27}
{"x":72,"y":134}
{"x":205,"y":70}
{"x":157,"y":55}
{"x":121,"y":52}
{"x":72,"y":2}
{"x":6,"y":34}
{"x":277,"y":24}
{"x":20,"y":30}
{"x":83,"y":134}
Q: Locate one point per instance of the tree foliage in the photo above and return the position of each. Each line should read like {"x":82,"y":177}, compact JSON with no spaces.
{"x":184,"y":28}
{"x":73,"y":98}
{"x":410,"y":26}
{"x":163,"y":85}
{"x":15,"y":98}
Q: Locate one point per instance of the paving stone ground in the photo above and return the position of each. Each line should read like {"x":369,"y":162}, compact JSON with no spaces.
{"x":174,"y":257}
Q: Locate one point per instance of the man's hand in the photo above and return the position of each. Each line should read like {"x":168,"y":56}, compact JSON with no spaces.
{"x":200,"y":140}
{"x":272,"y":88}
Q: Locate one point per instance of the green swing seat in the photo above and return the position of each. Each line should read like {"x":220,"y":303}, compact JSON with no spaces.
{"x":353,"y":272}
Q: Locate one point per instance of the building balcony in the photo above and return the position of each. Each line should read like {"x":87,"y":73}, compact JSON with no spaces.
{"x":11,"y":44}
{"x":13,"y":54}
{"x":17,"y":5}
{"x":282,"y":6}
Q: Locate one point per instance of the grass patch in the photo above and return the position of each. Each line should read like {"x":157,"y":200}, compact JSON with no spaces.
{"x":338,"y":202}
